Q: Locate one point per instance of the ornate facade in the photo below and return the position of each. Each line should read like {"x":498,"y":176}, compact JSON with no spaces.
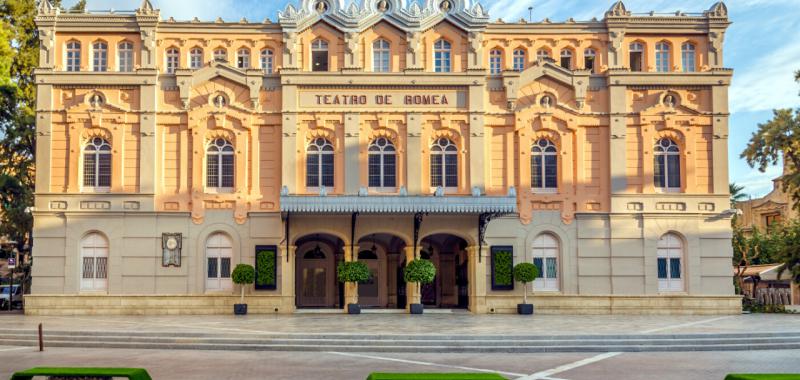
{"x":382,"y":131}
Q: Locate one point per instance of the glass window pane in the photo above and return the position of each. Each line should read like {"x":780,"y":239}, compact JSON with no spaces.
{"x":212,"y":170}
{"x":552,"y":268}
{"x":212,"y":267}
{"x":658,"y":176}
{"x":675,"y":268}
{"x":327,"y":170}
{"x":539,"y":262}
{"x":225,"y":267}
{"x":89,"y":167}
{"x":374,"y":170}
{"x":227,"y":170}
{"x":389,"y":170}
{"x":551,"y":171}
{"x":88,"y":267}
{"x":451,"y":170}
{"x":674,"y":170}
{"x":100,"y":267}
{"x":312,"y":170}
{"x":662,"y":268}
{"x":104,"y":170}
{"x":436,"y":170}
{"x":536,"y":172}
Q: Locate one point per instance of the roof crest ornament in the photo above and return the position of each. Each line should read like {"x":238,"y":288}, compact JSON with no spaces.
{"x":146,"y":8}
{"x":719,"y":9}
{"x":47,"y":8}
{"x":618,"y":10}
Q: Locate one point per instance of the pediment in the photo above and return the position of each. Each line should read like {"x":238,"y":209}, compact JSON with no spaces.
{"x":187,"y":80}
{"x":516,"y":83}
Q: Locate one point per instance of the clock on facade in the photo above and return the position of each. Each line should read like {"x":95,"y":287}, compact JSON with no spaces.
{"x":171,"y":249}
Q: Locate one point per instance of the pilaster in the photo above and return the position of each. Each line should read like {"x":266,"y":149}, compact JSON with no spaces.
{"x":477,"y":278}
{"x":351,"y":153}
{"x":720,"y":139}
{"x":287,"y":263}
{"x":412,"y":290}
{"x":44,"y":130}
{"x":414,"y":153}
{"x":478,"y":162}
{"x":149,"y":141}
{"x":289,"y":148}
{"x":617,"y":145}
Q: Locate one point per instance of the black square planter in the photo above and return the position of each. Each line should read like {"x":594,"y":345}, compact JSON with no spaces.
{"x":417,"y":308}
{"x":240,"y":309}
{"x":525,"y":309}
{"x":353,"y":308}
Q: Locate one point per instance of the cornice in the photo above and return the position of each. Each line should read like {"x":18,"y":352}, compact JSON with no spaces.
{"x":301,"y":78}
{"x":720,"y":77}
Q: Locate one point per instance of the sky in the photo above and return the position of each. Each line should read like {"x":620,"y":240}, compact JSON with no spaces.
{"x":761,"y":46}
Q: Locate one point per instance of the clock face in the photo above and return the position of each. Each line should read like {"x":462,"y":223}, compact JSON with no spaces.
{"x":172,"y":243}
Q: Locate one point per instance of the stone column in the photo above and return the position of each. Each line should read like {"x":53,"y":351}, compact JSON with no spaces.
{"x":289,"y":146}
{"x":350,"y":288}
{"x":287,"y":285}
{"x":795,"y":288}
{"x":477,"y":279}
{"x":412,"y":290}
{"x":617,"y":145}
{"x":719,"y":144}
{"x":351,"y":154}
{"x":414,"y":153}
{"x":44,"y":124}
{"x":478,"y":161}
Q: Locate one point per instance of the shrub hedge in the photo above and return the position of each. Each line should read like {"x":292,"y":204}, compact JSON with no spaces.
{"x":265,"y":268}
{"x":503,"y":269}
{"x":435,"y":376}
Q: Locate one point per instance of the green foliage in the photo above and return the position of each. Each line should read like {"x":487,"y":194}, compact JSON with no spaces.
{"x":753,"y":306}
{"x":435,"y":376}
{"x":737,"y":194}
{"x":781,"y":244}
{"x":420,"y":271}
{"x":243,"y":274}
{"x":353,"y":271}
{"x":525,"y":272}
{"x":771,"y":376}
{"x":130,"y":373}
{"x":503,"y":268}
{"x":265,"y":262}
{"x":788,"y":249}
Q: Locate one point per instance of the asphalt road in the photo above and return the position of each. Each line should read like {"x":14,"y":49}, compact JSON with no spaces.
{"x":177,"y":364}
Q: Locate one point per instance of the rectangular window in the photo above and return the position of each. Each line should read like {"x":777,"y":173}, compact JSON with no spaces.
{"x":551,"y":268}
{"x":375,"y":171}
{"x":100,"y":267}
{"x":539,"y":262}
{"x":312,"y":170}
{"x":436,"y":170}
{"x":451,"y":170}
{"x":502,"y":267}
{"x":100,"y":59}
{"x":126,"y":60}
{"x":659,"y":171}
{"x":550,"y":172}
{"x":675,"y":268}
{"x":662,"y":62}
{"x":212,"y":173}
{"x":88,"y":267}
{"x":89,"y":174}
{"x":442,"y":61}
{"x":74,"y":60}
{"x":519,"y":62}
{"x":389,"y":170}
{"x":327,"y":170}
{"x":225,"y":267}
{"x":227,"y":170}
{"x":589,"y":63}
{"x":689,"y":65}
{"x":536,"y":172}
{"x":674,"y":171}
{"x":319,"y":61}
{"x":636,"y":61}
{"x":662,"y":268}
{"x":104,"y":170}
{"x":380,"y":61}
{"x":212,"y":267}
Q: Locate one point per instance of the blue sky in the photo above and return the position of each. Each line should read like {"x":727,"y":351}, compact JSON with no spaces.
{"x":761,"y":46}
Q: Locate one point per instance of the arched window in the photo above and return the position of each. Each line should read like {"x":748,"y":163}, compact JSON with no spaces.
{"x":196,"y":58}
{"x":319,"y":55}
{"x":382,"y":164}
{"x":73,"y":56}
{"x":662,"y":57}
{"x":667,"y":168}
{"x":444,"y":164}
{"x":495,"y":62}
{"x":566,"y":59}
{"x":542,"y":54}
{"x":636,"y":52}
{"x":220,"y":55}
{"x":319,"y":164}
{"x":441,"y":56}
{"x":545,"y":257}
{"x":267,"y":61}
{"x":125,"y":56}
{"x":589,"y":59}
{"x":670,"y":254}
{"x":380,"y":56}
{"x":243,"y":59}
{"x":97,"y":165}
{"x":688,"y":57}
{"x":219,"y":251}
{"x":544,"y":166}
{"x":94,"y":263}
{"x":519,"y":60}
{"x":172,"y":57}
{"x":220,"y":165}
{"x":100,"y":57}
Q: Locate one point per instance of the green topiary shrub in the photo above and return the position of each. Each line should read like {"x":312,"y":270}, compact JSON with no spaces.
{"x":243,"y":274}
{"x":503,"y":267}
{"x":525,"y":273}
{"x":353,"y":271}
{"x":265,"y":264}
{"x":419,"y":271}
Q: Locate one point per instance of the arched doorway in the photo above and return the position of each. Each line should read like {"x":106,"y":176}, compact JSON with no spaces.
{"x":219,"y":251}
{"x":450,"y":289}
{"x":94,"y":263}
{"x":315,"y":276}
{"x":383,"y":254}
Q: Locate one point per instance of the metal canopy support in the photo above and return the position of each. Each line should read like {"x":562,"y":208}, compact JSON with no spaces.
{"x":483,"y":223}
{"x":417,"y":224}
{"x":286,"y":227}
{"x":353,"y":219}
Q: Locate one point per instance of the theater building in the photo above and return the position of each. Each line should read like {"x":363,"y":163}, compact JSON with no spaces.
{"x":382,"y":131}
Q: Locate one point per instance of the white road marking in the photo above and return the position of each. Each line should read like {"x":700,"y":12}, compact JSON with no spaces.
{"x":545,"y":375}
{"x":15,"y":349}
{"x":428,"y":364}
{"x":686,"y":324}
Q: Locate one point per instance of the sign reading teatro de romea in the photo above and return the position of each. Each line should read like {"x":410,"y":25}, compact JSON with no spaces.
{"x":434,"y":99}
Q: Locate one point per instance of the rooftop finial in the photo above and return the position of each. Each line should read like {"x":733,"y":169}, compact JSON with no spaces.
{"x":47,"y":8}
{"x":618,"y":10}
{"x":719,"y":9}
{"x":146,"y":8}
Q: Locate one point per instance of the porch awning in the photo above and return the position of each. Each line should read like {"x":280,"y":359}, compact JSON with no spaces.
{"x":399,"y":204}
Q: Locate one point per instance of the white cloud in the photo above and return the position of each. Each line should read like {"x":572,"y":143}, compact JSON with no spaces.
{"x":769,"y":82}
{"x":757,"y":184}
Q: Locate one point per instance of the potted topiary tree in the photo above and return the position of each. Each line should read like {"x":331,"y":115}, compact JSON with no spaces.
{"x":418,"y":272}
{"x":352,"y":273}
{"x":525,"y":273}
{"x":242,"y":275}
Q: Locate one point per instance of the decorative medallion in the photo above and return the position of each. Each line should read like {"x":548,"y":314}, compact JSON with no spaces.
{"x":171,"y":249}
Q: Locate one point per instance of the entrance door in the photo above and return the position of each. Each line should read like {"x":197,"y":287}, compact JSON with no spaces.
{"x":94,"y":263}
{"x":315,"y":280}
{"x":369,"y":292}
{"x":219,"y":251}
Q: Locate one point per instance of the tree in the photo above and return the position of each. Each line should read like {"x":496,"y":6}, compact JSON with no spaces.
{"x":737,"y":194}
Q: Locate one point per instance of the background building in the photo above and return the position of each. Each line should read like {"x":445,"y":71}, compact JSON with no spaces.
{"x":382,"y":131}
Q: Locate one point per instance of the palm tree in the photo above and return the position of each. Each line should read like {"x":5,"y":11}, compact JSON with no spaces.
{"x":737,"y":194}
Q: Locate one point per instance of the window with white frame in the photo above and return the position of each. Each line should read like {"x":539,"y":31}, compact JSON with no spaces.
{"x":545,"y":256}
{"x":444,"y":164}
{"x":100,"y":56}
{"x":636,"y":53}
{"x":97,"y":165}
{"x":125,"y":56}
{"x":519,"y":60}
{"x":544,"y":167}
{"x":319,"y":164}
{"x":441,"y":56}
{"x":566,"y":59}
{"x":542,"y":54}
{"x":220,"y":55}
{"x":196,"y":58}
{"x":94,"y":263}
{"x":319,"y":55}
{"x":73,"y":56}
{"x":667,"y":170}
{"x":381,"y":54}
{"x":589,"y":59}
{"x":688,"y":57}
{"x":220,"y":156}
{"x":495,"y":62}
{"x":382,"y":164}
{"x":662,"y":57}
{"x":173,"y":58}
{"x":243,"y":59}
{"x":267,"y":61}
{"x":670,"y":267}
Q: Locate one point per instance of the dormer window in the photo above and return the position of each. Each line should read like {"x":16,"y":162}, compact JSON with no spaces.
{"x":441,"y":56}
{"x":381,"y":54}
{"x":319,"y":55}
{"x":636,"y":53}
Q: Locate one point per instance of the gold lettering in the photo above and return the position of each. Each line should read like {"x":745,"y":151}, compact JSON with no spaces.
{"x":444,"y":99}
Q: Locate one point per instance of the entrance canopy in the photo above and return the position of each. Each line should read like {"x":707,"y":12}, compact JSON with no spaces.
{"x":399,"y":204}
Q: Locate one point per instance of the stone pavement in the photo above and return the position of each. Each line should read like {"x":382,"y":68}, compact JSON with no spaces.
{"x":398,"y":324}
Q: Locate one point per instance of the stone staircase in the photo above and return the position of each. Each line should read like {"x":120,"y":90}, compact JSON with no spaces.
{"x":403,"y":343}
